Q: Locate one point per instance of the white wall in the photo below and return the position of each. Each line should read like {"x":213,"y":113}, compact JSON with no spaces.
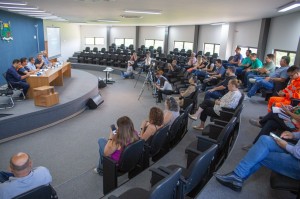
{"x":92,"y":31}
{"x":284,"y":33}
{"x":70,"y":37}
{"x":246,"y":34}
{"x":180,"y":33}
{"x":127,"y":32}
{"x":209,"y":34}
{"x":151,"y":32}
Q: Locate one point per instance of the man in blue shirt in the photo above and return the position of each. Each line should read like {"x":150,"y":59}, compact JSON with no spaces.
{"x":15,"y":79}
{"x":23,"y":177}
{"x":279,"y":75}
{"x":237,"y":58}
{"x":214,"y":77}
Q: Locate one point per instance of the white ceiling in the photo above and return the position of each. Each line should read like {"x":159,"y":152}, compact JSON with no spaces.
{"x":174,"y":12}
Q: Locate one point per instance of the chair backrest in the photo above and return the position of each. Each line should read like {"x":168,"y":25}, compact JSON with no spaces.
{"x":225,"y":133}
{"x":198,"y":168}
{"x":175,"y":127}
{"x":158,"y":139}
{"x":130,"y":156}
{"x":166,"y":188}
{"x":41,"y":192}
{"x":8,"y":83}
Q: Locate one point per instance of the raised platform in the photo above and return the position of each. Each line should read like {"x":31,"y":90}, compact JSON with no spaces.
{"x":27,"y":118}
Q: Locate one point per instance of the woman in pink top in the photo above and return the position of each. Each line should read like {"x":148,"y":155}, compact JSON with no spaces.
{"x":117,"y":141}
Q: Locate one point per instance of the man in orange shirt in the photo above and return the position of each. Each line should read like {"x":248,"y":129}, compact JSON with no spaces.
{"x":291,"y":91}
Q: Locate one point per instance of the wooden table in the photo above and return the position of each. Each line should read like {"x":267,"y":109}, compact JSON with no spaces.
{"x":51,"y":77}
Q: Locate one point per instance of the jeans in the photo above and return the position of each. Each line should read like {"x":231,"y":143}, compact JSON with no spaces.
{"x":246,"y":77}
{"x":249,"y":84}
{"x":200,"y":73}
{"x":214,"y":95}
{"x":239,"y":70}
{"x":267,"y":153}
{"x":126,"y":75}
{"x":21,"y":84}
{"x":4,"y":176}
{"x":260,"y":83}
{"x":101,"y":142}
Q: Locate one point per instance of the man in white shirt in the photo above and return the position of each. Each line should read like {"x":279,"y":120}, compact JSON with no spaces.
{"x":23,"y":177}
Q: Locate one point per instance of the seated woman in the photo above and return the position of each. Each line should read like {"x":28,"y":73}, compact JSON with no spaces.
{"x":187,"y":92}
{"x":273,"y":121}
{"x":129,"y":71}
{"x":198,"y":65}
{"x":116,"y":142}
{"x":162,"y":85}
{"x":210,"y":108}
{"x":171,"y":111}
{"x":134,"y":59}
{"x":273,"y":153}
{"x":155,"y":121}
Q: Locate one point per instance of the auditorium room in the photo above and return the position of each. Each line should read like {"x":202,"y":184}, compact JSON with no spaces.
{"x":136,"y":99}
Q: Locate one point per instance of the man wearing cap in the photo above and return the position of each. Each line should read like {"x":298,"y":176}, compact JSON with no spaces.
{"x":22,"y":177}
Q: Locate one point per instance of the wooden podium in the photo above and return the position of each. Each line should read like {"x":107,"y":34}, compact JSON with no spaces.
{"x":45,"y":96}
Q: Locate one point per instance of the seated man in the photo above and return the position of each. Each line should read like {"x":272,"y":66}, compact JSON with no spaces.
{"x":237,"y":58}
{"x":212,"y":78}
{"x":15,"y":79}
{"x":129,"y":71}
{"x":39,"y":62}
{"x":265,"y":71}
{"x":23,"y":177}
{"x":279,"y":75}
{"x":274,"y":121}
{"x":45,"y":58}
{"x":273,"y":153}
{"x":23,"y":69}
{"x":256,"y":64}
{"x":246,"y":62}
{"x":221,"y":88}
{"x":291,"y":91}
{"x":31,"y":64}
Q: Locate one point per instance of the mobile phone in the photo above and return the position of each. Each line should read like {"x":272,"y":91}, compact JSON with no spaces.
{"x":275,"y":136}
{"x":113,"y":129}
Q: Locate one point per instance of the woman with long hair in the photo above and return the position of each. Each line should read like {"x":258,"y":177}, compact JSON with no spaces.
{"x":118,"y":139}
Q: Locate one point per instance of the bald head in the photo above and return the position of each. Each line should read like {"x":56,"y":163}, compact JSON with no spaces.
{"x":20,"y":164}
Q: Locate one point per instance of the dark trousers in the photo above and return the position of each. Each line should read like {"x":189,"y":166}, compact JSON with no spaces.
{"x":21,"y":84}
{"x":213,"y":95}
{"x":160,"y":92}
{"x":271,"y":122}
{"x":208,"y":110}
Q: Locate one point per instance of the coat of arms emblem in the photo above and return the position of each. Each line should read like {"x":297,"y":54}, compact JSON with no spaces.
{"x":5,"y":31}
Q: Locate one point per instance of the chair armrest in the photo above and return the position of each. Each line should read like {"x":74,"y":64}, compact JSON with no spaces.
{"x":225,"y":115}
{"x":204,"y":143}
{"x":113,"y":197}
{"x":109,"y":175}
{"x":157,"y":175}
{"x":220,"y":122}
{"x":228,"y":109}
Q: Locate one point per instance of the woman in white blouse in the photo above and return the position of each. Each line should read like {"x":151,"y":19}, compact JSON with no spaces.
{"x":212,"y":108}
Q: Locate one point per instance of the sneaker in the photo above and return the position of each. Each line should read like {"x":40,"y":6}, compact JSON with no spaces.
{"x":192,"y":117}
{"x":98,"y":171}
{"x":247,"y":147}
{"x":252,"y":80}
{"x":198,"y":128}
{"x":246,"y":98}
{"x":255,"y":123}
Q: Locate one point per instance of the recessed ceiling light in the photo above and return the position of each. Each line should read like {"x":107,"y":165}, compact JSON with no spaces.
{"x":22,"y":8}
{"x":131,"y":17}
{"x":289,"y":6}
{"x":108,"y":20}
{"x":150,"y":12}
{"x":25,"y":11}
{"x":13,"y":3}
{"x":216,"y":24}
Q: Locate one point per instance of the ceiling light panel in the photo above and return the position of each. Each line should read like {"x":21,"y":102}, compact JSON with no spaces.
{"x":13,"y":3}
{"x":150,"y":12}
{"x":289,"y":6}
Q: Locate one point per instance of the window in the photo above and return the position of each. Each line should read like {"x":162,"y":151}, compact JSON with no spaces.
{"x":99,"y":41}
{"x":188,"y":45}
{"x":128,"y":42}
{"x":178,"y":44}
{"x":245,"y":48}
{"x":153,"y":42}
{"x":279,"y":53}
{"x":211,"y":48}
{"x":89,"y":40}
{"x":94,"y":40}
{"x":124,"y":41}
